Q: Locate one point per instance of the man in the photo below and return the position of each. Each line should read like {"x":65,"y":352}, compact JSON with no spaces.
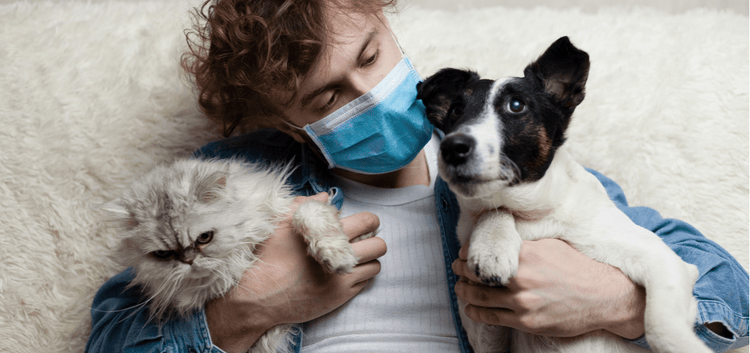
{"x":309,"y":71}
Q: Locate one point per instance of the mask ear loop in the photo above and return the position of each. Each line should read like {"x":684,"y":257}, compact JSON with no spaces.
{"x":308,"y":140}
{"x":404,"y":56}
{"x":401,"y":50}
{"x":294,"y":126}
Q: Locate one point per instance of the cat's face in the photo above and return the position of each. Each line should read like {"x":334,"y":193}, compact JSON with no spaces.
{"x":187,"y":238}
{"x":177,"y":238}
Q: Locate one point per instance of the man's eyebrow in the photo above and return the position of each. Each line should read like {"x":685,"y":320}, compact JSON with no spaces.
{"x":306,"y":99}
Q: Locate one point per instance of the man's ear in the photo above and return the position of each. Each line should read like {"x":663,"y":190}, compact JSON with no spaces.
{"x":438,"y":91}
{"x":562,"y":70}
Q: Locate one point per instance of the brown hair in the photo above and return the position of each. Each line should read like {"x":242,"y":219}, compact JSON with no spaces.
{"x":242,"y":50}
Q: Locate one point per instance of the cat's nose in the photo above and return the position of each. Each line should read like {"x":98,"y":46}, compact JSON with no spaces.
{"x":188,"y":256}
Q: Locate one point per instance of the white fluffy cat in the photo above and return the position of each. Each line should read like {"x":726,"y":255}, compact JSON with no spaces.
{"x":189,"y":230}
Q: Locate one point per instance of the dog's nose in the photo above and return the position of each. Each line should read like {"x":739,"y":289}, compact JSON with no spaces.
{"x":456,"y":149}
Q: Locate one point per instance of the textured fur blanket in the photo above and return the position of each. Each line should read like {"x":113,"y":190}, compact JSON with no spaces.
{"x":92,"y":94}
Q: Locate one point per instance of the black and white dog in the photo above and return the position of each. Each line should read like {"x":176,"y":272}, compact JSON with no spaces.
{"x":503,"y":157}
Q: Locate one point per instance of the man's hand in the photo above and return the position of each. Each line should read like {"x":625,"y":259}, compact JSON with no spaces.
{"x":288,"y":286}
{"x":557,"y":292}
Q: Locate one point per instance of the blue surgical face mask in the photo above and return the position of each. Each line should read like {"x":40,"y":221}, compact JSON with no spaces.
{"x":379,"y":132}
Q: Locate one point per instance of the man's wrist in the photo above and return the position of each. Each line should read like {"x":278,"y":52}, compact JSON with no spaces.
{"x":229,"y":330}
{"x":625,"y":317}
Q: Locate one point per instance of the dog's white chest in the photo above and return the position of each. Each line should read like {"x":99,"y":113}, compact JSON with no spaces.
{"x":536,"y":229}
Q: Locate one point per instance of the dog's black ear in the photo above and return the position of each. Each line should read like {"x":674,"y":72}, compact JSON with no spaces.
{"x":562,"y":70}
{"x":438,"y":91}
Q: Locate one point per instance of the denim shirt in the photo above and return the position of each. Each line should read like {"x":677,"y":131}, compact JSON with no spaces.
{"x":119,"y":323}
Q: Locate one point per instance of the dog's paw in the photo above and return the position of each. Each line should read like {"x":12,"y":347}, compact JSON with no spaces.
{"x":491,"y":266}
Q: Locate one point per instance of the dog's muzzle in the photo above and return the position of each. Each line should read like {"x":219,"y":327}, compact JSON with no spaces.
{"x":456,"y":149}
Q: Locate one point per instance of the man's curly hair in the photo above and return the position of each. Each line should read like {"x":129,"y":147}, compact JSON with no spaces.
{"x":240,"y":51}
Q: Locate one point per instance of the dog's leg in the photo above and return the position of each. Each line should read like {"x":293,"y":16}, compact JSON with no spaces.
{"x":494,"y":248}
{"x":494,"y":245}
{"x":670,"y":306}
{"x":319,"y":223}
{"x":648,"y":261}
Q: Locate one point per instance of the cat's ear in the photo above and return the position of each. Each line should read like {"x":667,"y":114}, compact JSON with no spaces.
{"x":119,"y":213}
{"x":210,"y":188}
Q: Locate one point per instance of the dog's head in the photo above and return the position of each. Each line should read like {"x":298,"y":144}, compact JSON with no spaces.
{"x":504,"y":132}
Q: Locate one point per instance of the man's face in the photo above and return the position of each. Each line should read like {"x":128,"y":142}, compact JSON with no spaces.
{"x":360,"y":54}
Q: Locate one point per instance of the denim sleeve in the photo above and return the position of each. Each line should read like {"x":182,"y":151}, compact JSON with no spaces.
{"x":722,"y":286}
{"x":120,"y":322}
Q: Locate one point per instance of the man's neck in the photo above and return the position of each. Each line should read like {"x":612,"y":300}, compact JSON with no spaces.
{"x":414,"y":173}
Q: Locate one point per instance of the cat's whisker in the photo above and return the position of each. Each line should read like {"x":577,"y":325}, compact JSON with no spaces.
{"x":138,"y":307}
{"x":132,"y":307}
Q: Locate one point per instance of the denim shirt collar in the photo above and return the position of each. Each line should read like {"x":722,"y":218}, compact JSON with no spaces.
{"x":314,"y":177}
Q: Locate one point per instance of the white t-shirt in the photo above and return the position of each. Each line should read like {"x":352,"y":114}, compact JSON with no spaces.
{"x":405,"y":308}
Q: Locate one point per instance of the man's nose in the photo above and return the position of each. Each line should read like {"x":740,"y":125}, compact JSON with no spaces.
{"x":363,"y":82}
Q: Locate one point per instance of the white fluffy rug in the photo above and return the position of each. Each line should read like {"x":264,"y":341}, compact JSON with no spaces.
{"x":92,"y":94}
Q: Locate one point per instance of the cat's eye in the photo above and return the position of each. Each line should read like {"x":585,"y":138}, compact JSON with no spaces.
{"x":516,"y":105}
{"x":205,"y":237}
{"x":163,"y":254}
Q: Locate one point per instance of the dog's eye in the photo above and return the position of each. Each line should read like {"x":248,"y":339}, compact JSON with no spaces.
{"x":516,"y":105}
{"x":163,"y":254}
{"x":456,"y":110}
{"x":205,"y":238}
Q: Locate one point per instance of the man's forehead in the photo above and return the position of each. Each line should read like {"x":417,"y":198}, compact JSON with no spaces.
{"x":338,"y":55}
{"x":346,"y":40}
{"x":349,"y":33}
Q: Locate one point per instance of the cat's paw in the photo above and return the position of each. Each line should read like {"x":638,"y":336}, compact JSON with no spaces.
{"x":366,"y":236}
{"x":491,"y":265}
{"x":319,"y":223}
{"x":335,"y":258}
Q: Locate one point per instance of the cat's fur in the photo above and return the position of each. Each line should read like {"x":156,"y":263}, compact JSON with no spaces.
{"x":190,"y":229}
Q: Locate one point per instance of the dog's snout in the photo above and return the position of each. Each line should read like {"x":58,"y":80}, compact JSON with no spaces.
{"x":456,"y":149}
